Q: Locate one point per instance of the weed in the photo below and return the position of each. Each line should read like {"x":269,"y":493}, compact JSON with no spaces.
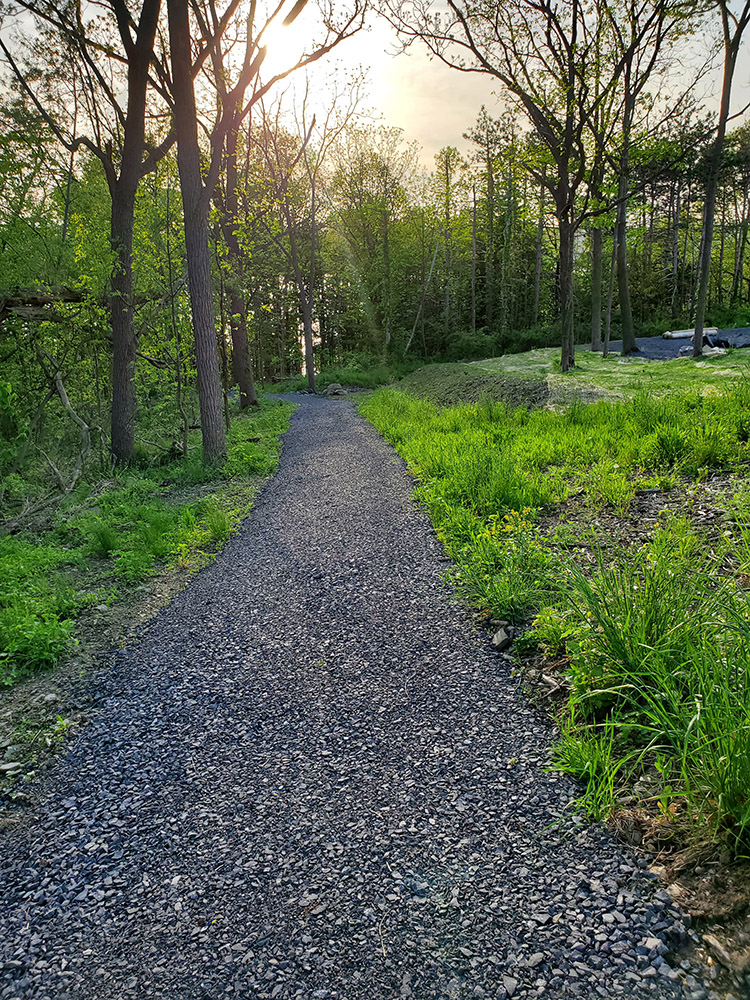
{"x":104,"y":538}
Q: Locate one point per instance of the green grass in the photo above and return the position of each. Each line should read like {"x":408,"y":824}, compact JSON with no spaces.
{"x":618,"y":376}
{"x":114,"y":535}
{"x":657,"y":634}
{"x":534,"y":378}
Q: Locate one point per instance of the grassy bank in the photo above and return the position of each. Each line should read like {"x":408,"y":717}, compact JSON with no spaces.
{"x":110,"y":536}
{"x":534,"y":378}
{"x":643,"y":620}
{"x":619,"y":376}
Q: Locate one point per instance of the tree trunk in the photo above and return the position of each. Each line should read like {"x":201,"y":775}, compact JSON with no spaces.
{"x":387,"y":283}
{"x":596,"y":289}
{"x":623,"y":284}
{"x":741,"y":246}
{"x":538,"y":265}
{"x":473,"y":258}
{"x":567,"y":319}
{"x":722,"y":251}
{"x":124,"y":337}
{"x":675,"y":247}
{"x":122,"y":192}
{"x":242,"y":370}
{"x":731,"y":48}
{"x":610,"y":294}
{"x":195,"y":204}
{"x":489,"y":266}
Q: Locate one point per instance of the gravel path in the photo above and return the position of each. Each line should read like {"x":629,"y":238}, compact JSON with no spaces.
{"x":311,"y":778}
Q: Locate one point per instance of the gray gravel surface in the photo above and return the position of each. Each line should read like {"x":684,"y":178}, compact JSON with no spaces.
{"x":311,"y":778}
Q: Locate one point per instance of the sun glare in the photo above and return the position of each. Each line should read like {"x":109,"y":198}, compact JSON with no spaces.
{"x":286,"y":44}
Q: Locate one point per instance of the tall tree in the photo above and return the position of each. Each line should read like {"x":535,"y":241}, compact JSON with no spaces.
{"x":638,"y":36}
{"x":195,"y":199}
{"x":234,"y":104}
{"x":486,"y":138}
{"x":98,"y":55}
{"x":540,"y":53}
{"x":733,"y":28}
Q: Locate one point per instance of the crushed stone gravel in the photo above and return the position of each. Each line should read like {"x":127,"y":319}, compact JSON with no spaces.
{"x":312,"y":778}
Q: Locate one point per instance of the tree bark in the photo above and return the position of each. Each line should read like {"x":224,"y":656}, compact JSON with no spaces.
{"x":489,"y":266}
{"x":538,"y":262}
{"x":676,"y":246}
{"x":124,"y":336}
{"x":741,"y":246}
{"x":473,"y":259}
{"x":596,"y":289}
{"x":122,"y":192}
{"x":610,"y":294}
{"x":195,"y":205}
{"x":242,"y":371}
{"x":567,"y":318}
{"x":623,"y":284}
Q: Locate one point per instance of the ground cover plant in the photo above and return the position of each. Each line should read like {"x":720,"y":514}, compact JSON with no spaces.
{"x":113,"y":534}
{"x":649,"y":624}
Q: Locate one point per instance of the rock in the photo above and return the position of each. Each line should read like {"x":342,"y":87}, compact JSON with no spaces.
{"x":14,"y":752}
{"x":653,"y":943}
{"x":334,"y":389}
{"x":738,"y":964}
{"x":10,"y":767}
{"x":511,"y":985}
{"x":501,"y":640}
{"x":51,"y":698}
{"x":101,"y":607}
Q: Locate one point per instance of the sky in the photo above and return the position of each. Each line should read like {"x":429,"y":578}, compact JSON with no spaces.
{"x":432,"y":103}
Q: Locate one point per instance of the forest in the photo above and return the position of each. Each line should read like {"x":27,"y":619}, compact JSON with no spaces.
{"x":190,"y":224}
{"x":328,"y":243}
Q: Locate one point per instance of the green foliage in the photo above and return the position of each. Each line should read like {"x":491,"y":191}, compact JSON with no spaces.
{"x":662,"y":652}
{"x":36,"y":604}
{"x":588,"y":754}
{"x":608,"y":485}
{"x":11,"y":431}
{"x":104,"y":538}
{"x":148,"y":519}
{"x":506,"y":567}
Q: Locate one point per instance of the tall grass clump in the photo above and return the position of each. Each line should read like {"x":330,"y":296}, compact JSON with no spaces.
{"x":661,"y":653}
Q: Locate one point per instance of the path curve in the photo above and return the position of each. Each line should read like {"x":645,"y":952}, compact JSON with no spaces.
{"x":311,"y":778}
